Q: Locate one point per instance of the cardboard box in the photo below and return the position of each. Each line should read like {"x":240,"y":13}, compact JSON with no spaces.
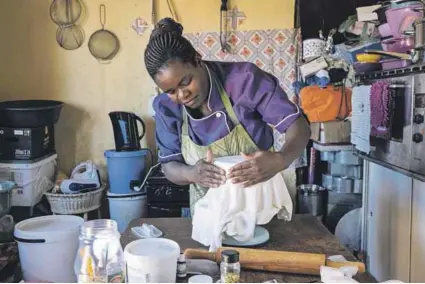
{"x":333,"y":132}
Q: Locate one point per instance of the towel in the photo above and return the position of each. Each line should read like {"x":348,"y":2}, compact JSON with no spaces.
{"x":382,"y":105}
{"x":360,"y":122}
{"x":235,"y":211}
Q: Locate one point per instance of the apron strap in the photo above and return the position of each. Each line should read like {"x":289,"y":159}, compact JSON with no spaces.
{"x":225,"y":100}
{"x":185,"y":126}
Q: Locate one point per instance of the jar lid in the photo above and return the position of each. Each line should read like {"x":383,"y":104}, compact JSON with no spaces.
{"x":182,"y":258}
{"x":230,"y":256}
{"x":200,"y":279}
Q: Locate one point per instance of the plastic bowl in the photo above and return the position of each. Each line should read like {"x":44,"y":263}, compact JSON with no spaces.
{"x":368,"y":58}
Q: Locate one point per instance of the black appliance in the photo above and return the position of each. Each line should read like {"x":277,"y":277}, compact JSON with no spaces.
{"x":126,"y":133}
{"x":166,"y":199}
{"x":26,"y":143}
{"x":27,"y":128}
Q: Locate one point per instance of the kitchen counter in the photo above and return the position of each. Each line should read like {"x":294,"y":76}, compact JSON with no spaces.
{"x":304,"y":233}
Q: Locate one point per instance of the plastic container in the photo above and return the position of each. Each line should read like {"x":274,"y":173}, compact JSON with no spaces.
{"x":125,"y":208}
{"x":47,"y":247}
{"x":152,"y":261}
{"x":5,"y":196}
{"x":399,"y":19}
{"x":395,"y":64}
{"x":100,"y":256}
{"x":125,"y":168}
{"x":32,"y":179}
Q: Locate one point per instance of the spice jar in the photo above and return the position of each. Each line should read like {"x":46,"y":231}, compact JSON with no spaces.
{"x":100,"y":257}
{"x":181,"y":267}
{"x":230,"y":268}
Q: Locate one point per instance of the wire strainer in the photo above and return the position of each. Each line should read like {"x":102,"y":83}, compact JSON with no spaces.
{"x":70,"y":37}
{"x":65,"y":12}
{"x":103,"y":44}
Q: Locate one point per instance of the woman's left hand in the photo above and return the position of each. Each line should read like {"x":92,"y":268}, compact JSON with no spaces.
{"x":258,"y":167}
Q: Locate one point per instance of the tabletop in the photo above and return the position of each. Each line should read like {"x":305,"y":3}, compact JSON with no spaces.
{"x":305,"y":233}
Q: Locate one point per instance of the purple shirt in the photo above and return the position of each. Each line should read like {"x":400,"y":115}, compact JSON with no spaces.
{"x":257,"y":100}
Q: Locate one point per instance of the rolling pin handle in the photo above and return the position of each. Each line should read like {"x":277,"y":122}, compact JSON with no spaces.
{"x":199,"y":254}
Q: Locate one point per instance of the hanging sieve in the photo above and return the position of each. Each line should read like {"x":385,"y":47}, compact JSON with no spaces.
{"x":103,"y":44}
{"x":70,"y":37}
{"x":65,"y":12}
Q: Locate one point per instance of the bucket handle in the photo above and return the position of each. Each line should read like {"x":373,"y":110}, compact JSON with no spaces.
{"x":30,"y":241}
{"x":151,"y":163}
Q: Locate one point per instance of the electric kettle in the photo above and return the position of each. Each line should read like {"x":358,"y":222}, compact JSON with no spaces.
{"x":126,"y":133}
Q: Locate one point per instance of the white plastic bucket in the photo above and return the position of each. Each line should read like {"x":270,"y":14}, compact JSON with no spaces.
{"x":152,"y":260}
{"x":123,"y":208}
{"x":47,"y":247}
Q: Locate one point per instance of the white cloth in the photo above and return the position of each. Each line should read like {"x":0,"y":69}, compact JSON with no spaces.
{"x":234,"y":210}
{"x":360,"y":122}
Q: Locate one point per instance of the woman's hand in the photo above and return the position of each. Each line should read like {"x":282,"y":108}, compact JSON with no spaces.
{"x":206,"y":174}
{"x":259,"y":167}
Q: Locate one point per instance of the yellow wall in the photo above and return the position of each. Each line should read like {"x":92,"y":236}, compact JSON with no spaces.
{"x":32,"y":65}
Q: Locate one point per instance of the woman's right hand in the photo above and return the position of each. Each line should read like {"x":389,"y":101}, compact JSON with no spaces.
{"x":206,"y":174}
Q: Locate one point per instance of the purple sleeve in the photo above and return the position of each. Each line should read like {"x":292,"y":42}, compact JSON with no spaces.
{"x":167,"y":132}
{"x":265,"y":95}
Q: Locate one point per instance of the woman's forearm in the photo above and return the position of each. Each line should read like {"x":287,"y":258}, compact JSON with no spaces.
{"x":178,"y":173}
{"x":296,"y":140}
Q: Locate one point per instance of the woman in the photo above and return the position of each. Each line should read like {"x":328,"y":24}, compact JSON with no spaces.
{"x":215,"y":109}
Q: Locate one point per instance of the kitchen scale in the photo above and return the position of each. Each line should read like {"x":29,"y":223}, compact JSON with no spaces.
{"x":261,"y":236}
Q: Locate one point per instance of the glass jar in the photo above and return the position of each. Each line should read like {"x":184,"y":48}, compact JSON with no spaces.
{"x":230,"y":268}
{"x":100,"y":257}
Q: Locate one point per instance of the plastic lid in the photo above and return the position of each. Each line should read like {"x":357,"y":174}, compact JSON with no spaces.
{"x":48,"y":229}
{"x":125,"y":154}
{"x":230,"y":256}
{"x":143,"y":250}
{"x":182,"y":258}
{"x":200,"y":279}
{"x":126,"y":195}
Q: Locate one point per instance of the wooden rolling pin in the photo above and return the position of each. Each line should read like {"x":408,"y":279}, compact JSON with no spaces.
{"x":274,"y":261}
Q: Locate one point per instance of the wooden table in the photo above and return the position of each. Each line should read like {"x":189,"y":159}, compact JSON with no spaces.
{"x":304,"y":233}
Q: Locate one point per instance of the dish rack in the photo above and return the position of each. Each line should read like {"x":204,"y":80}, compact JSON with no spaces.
{"x":80,"y":203}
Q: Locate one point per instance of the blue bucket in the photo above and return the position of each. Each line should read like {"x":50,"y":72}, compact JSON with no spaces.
{"x":125,"y":168}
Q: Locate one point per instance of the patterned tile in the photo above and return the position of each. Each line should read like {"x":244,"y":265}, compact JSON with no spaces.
{"x":274,"y":51}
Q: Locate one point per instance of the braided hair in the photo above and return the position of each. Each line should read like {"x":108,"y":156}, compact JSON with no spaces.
{"x":167,"y":44}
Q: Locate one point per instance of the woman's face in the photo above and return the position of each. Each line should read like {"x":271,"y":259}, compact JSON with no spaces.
{"x":185,"y":83}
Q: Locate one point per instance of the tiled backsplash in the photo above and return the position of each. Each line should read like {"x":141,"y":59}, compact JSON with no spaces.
{"x":272,"y":50}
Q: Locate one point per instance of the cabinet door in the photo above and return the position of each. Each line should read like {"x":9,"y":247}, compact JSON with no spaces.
{"x":389,"y":196}
{"x":417,"y":271}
